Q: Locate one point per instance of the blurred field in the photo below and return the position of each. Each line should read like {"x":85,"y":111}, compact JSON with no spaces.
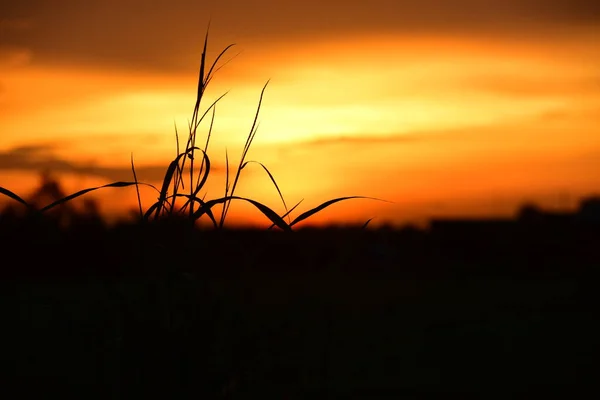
{"x":163,"y":311}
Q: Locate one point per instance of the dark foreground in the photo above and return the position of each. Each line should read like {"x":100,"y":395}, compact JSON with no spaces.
{"x":161,"y":312}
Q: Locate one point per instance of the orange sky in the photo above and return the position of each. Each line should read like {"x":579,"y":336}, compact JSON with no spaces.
{"x":443,"y":107}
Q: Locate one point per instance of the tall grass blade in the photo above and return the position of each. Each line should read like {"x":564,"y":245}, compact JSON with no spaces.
{"x":226,"y":173}
{"x":191,"y":138}
{"x":198,"y":183}
{"x":208,"y":136}
{"x":176,"y":140}
{"x":226,"y":187}
{"x":179,"y":172}
{"x":137,"y":188}
{"x":272,"y":180}
{"x":244,"y":152}
{"x":200,"y":78}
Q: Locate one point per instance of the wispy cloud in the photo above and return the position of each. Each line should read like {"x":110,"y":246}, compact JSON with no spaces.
{"x":40,"y":158}
{"x":412,"y":137}
{"x":364,"y":139}
{"x":536,"y":87}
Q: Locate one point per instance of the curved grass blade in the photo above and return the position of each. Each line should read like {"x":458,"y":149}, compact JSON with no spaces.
{"x":84,"y":191}
{"x":169,"y":177}
{"x":13,"y":196}
{"x":315,"y":210}
{"x":204,"y":174}
{"x":212,"y":73}
{"x":366,"y":223}
{"x":150,"y":210}
{"x":244,"y":152}
{"x":202,"y":177}
{"x":211,"y":107}
{"x":214,"y":70}
{"x":287,"y":213}
{"x":270,"y":214}
{"x":272,"y":180}
{"x":192,"y":199}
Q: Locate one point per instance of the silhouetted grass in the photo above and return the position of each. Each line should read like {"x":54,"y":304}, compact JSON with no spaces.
{"x":183,"y":168}
{"x":152,"y":309}
{"x":156,"y":311}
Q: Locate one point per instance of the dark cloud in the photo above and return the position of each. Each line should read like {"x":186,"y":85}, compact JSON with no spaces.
{"x":143,"y":34}
{"x":569,"y":11}
{"x":36,"y":158}
{"x":14,"y":24}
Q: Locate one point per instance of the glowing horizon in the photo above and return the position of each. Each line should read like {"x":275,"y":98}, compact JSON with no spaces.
{"x":437,"y":123}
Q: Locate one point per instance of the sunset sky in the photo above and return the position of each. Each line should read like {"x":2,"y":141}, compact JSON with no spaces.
{"x":443,"y":107}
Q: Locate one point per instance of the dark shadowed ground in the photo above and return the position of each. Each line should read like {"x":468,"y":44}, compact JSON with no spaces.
{"x":475,"y":309}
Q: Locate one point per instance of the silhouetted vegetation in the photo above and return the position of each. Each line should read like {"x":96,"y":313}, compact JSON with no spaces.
{"x":156,"y":307}
{"x":161,"y":309}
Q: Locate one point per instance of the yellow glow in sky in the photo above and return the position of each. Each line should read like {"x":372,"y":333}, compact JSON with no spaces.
{"x":418,"y":122}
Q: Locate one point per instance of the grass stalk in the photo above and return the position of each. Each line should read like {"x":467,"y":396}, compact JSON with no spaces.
{"x":173,"y":183}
